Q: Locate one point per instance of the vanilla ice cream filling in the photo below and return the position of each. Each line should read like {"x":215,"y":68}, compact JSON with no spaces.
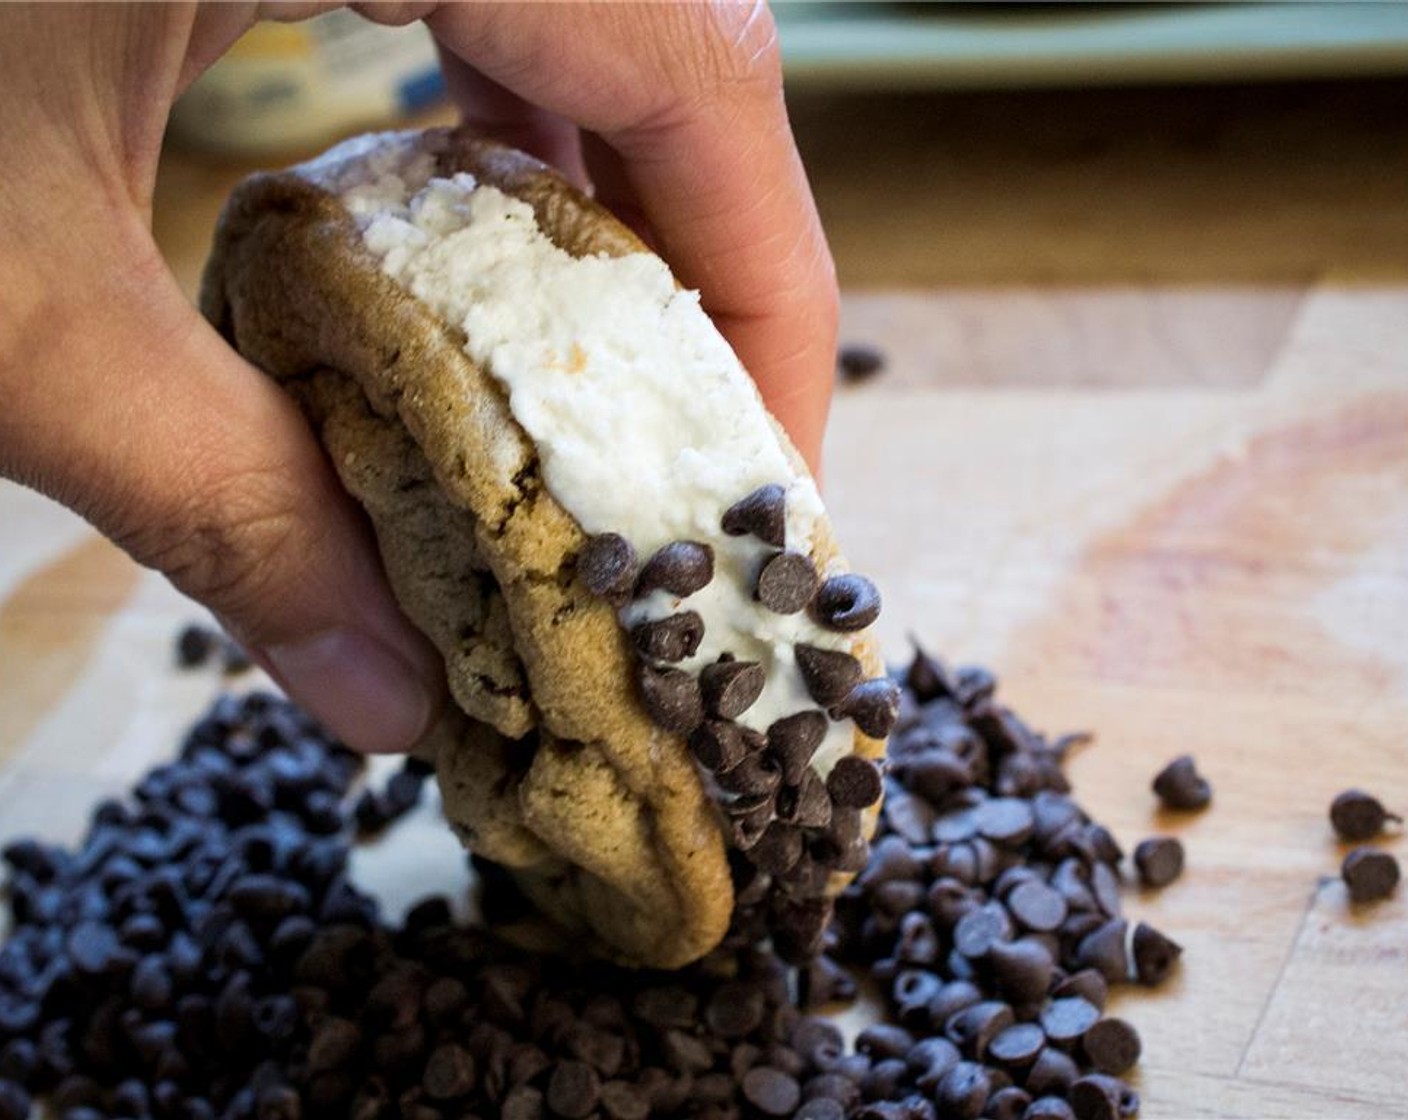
{"x":646,"y":423}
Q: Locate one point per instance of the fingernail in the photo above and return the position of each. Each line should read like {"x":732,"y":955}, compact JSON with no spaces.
{"x":364,"y":693}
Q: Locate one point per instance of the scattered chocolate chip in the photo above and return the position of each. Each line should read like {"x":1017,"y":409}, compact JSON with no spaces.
{"x":1154,"y":954}
{"x":1005,"y":820}
{"x":1097,"y":1096}
{"x":672,"y":638}
{"x":1017,"y":1046}
{"x":1103,"y":949}
{"x":1159,"y":860}
{"x":1358,"y":816}
{"x":854,"y":782}
{"x":857,"y":362}
{"x":778,"y":849}
{"x":1111,"y":1045}
{"x":730,"y":688}
{"x":573,"y":1090}
{"x":771,"y":1091}
{"x":1180,"y":786}
{"x":607,"y":564}
{"x":786,"y":582}
{"x":1021,"y":969}
{"x":974,"y":1028}
{"x":672,"y":698}
{"x":681,"y":568}
{"x":1370,"y":875}
{"x":1086,"y":983}
{"x":1009,"y":1103}
{"x":829,"y":674}
{"x":1037,"y":906}
{"x":963,"y":1091}
{"x":1049,"y":1108}
{"x":1066,"y":1020}
{"x":762,"y":513}
{"x":978,"y":930}
{"x":194,"y":645}
{"x":1051,"y":1073}
{"x":873,"y":705}
{"x":755,"y":779}
{"x":846,"y":602}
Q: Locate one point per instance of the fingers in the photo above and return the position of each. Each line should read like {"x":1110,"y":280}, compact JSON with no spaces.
{"x":689,"y":99}
{"x":135,"y":413}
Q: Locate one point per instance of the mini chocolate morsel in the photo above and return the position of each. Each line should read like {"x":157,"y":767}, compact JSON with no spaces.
{"x":873,"y":705}
{"x":821,"y":1108}
{"x":979,"y":929}
{"x":778,"y":849}
{"x":680,"y":567}
{"x":730,"y":688}
{"x":1017,"y":1046}
{"x":1105,"y":886}
{"x":573,"y":1090}
{"x":846,"y":602}
{"x":1358,"y":816}
{"x":1155,"y":955}
{"x":1086,"y":983}
{"x":927,"y":677}
{"x":717,"y":745}
{"x":1370,"y":875}
{"x":1021,"y":969}
{"x":786,"y":582}
{"x":859,"y":361}
{"x":1051,"y":1073}
{"x":794,"y":739}
{"x":449,"y":1072}
{"x":194,"y":645}
{"x":829,"y":674}
{"x":620,"y":1100}
{"x":1103,"y":949}
{"x":807,"y":805}
{"x":1179,"y":785}
{"x":607,"y":565}
{"x":1111,"y":1045}
{"x":854,"y":783}
{"x":964,"y":1091}
{"x":1036,"y":905}
{"x":1158,"y":860}
{"x":1008,"y":1103}
{"x":974,"y":1028}
{"x":762,"y":513}
{"x":672,"y":698}
{"x":771,"y":1092}
{"x":1097,"y":1096}
{"x":1066,"y":1020}
{"x":1005,"y":820}
{"x":672,"y":638}
{"x":746,"y":826}
{"x":1049,"y":1108}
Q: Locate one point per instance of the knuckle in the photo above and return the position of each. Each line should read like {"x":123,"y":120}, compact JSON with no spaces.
{"x":229,"y":543}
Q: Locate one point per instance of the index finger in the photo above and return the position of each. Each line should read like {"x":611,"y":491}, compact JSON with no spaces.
{"x":690,"y":97}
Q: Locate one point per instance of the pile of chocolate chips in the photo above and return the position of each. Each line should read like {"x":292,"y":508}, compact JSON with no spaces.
{"x":790,"y":830}
{"x":203,"y":954}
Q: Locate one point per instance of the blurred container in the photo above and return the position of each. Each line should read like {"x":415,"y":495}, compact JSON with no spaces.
{"x":290,"y":87}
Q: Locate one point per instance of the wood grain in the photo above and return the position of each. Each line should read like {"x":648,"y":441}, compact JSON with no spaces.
{"x":1142,"y":445}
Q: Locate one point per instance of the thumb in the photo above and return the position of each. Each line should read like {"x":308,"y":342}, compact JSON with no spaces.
{"x":143,"y":420}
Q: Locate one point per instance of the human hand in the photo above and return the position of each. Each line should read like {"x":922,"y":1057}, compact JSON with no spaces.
{"x":125,"y":405}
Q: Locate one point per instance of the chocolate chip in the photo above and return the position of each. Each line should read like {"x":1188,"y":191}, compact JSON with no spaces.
{"x":1159,"y":860}
{"x":1180,"y":786}
{"x":620,"y":1100}
{"x":1021,"y":969}
{"x":1370,"y":875}
{"x":829,"y":674}
{"x":1103,"y":949}
{"x":717,"y":745}
{"x":1007,"y":1104}
{"x":573,"y":1090}
{"x":1097,"y":1096}
{"x":964,"y":1091}
{"x":762,"y":513}
{"x":786,"y":582}
{"x":94,"y":949}
{"x":858,"y":362}
{"x":854,"y":782}
{"x":821,"y":1108}
{"x":873,"y":705}
{"x":672,"y":638}
{"x":731,"y":687}
{"x":671,"y":698}
{"x":806,"y":804}
{"x":1005,"y":820}
{"x":746,"y":827}
{"x":778,"y":849}
{"x":1037,"y":906}
{"x":974,"y":1028}
{"x":1051,"y":1073}
{"x":607,"y":564}
{"x":979,"y":929}
{"x":771,"y":1092}
{"x":1066,"y":1020}
{"x":1358,"y":816}
{"x":1155,"y":955}
{"x":794,"y":739}
{"x":1049,"y":1108}
{"x":1017,"y":1046}
{"x":449,"y":1072}
{"x":1087,"y":983}
{"x":522,"y":1103}
{"x":681,"y":568}
{"x":194,"y":645}
{"x":1111,"y":1045}
{"x":1105,"y":886}
{"x":756,"y":777}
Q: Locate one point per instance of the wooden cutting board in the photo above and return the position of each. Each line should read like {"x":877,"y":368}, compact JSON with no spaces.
{"x":1214,"y":564}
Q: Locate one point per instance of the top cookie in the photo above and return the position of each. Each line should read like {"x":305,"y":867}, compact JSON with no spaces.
{"x":666,"y":708}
